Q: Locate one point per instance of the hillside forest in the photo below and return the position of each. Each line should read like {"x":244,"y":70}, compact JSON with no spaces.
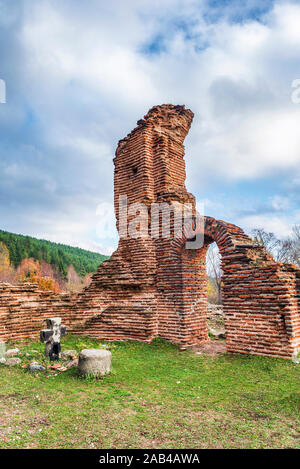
{"x":53,"y":266}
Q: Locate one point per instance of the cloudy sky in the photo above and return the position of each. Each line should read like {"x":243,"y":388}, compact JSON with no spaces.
{"x":80,"y":74}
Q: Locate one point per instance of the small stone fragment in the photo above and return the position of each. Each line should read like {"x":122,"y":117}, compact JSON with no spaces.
{"x":13,"y":352}
{"x":62,"y":368}
{"x":35,"y":367}
{"x":69,"y":355}
{"x":13,"y":361}
{"x":55,"y":366}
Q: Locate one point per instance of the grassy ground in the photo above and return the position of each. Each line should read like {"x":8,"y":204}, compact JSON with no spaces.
{"x":155,"y":397}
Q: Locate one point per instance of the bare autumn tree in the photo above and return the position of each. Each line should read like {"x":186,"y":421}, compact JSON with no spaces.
{"x":74,"y":280}
{"x":267,"y":240}
{"x":291,"y":247}
{"x":283,"y":250}
{"x":46,"y":269}
{"x":213,"y":266}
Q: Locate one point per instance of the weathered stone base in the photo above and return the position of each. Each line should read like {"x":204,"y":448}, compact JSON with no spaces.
{"x":94,"y":362}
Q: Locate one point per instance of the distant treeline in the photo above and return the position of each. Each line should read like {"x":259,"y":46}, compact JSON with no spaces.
{"x":60,"y":256}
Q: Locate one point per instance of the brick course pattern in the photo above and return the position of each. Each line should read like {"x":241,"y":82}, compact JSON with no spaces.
{"x":156,"y":287}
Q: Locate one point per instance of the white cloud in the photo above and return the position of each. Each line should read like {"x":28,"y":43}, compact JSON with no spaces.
{"x":79,"y":226}
{"x":88,"y":78}
{"x":280,"y":226}
{"x":280,"y":203}
{"x":286,"y":21}
{"x":243,"y":132}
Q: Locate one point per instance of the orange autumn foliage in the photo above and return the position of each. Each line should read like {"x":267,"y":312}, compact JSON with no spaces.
{"x":27,"y":267}
{"x":44,"y":283}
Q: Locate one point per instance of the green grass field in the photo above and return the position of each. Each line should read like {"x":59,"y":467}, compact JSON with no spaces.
{"x":155,"y":397}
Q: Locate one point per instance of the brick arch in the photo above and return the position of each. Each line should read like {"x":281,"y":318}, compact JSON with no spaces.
{"x":189,"y":277}
{"x":260,"y":296}
{"x":227,"y":236}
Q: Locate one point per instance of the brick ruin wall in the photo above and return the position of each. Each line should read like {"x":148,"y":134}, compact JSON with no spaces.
{"x":156,"y":287}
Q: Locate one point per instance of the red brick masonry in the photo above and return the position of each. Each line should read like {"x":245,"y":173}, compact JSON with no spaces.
{"x":157,"y":287}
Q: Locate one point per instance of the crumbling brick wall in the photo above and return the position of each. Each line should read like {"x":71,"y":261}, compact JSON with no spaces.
{"x":155,"y":286}
{"x":260,"y":296}
{"x":24,"y":309}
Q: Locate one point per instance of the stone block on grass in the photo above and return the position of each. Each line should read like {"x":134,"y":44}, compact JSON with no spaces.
{"x":94,"y":362}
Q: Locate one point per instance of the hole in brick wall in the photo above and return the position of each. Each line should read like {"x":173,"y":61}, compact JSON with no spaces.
{"x":282,"y":317}
{"x":215,"y":317}
{"x":214,"y":274}
{"x":135,"y":171}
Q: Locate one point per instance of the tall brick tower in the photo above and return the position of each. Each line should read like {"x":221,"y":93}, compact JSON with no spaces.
{"x":150,"y":169}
